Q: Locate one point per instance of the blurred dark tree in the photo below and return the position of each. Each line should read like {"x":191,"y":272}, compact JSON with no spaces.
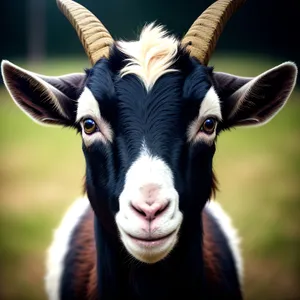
{"x":266,"y":27}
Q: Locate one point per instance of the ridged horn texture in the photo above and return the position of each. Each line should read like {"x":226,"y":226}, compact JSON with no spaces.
{"x":202,"y":37}
{"x":94,"y":37}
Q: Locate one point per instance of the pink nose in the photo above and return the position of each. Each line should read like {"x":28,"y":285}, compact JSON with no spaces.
{"x":149,"y":212}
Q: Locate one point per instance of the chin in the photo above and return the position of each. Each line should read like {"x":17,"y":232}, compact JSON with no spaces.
{"x":150,"y":251}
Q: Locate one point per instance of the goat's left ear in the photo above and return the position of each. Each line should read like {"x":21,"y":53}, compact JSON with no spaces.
{"x":45,"y":99}
{"x":254,"y":101}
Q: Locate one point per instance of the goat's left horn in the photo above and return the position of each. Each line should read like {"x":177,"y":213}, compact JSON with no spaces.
{"x":94,"y":37}
{"x":202,"y":37}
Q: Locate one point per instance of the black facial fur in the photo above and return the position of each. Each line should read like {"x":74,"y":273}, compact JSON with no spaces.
{"x":158,"y":118}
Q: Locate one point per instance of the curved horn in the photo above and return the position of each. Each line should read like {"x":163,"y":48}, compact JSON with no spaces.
{"x":94,"y":37}
{"x":202,"y":37}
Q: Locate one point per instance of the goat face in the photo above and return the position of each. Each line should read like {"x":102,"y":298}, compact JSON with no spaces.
{"x":149,"y":116}
{"x":141,"y":154}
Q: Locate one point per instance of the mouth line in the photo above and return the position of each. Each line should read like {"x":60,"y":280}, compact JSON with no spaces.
{"x":149,"y":239}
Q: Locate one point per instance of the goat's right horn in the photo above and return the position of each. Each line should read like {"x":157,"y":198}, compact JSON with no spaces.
{"x":94,"y":37}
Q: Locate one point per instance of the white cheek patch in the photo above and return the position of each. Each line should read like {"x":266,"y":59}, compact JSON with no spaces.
{"x":210,"y":107}
{"x":88,"y":107}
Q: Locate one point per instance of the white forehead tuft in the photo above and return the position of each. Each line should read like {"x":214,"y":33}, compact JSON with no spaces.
{"x":151,"y":56}
{"x":211,"y":105}
{"x":87,"y":105}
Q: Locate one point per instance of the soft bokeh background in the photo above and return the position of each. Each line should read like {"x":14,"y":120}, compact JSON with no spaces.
{"x":259,"y":169}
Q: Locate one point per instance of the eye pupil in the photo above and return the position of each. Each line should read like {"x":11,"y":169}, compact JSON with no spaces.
{"x":209,"y":125}
{"x":89,"y":126}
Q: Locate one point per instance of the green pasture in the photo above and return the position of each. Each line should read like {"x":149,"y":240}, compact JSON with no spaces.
{"x":258,"y":168}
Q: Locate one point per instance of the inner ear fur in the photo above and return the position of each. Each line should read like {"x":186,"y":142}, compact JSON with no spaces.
{"x":45,"y":99}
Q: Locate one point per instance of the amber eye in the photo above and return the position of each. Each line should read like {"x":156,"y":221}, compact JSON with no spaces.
{"x":209,"y":125}
{"x":89,"y":126}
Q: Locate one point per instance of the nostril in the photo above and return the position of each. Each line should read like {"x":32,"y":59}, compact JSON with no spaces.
{"x":138,"y":210}
{"x":161,"y":209}
{"x":149,"y":212}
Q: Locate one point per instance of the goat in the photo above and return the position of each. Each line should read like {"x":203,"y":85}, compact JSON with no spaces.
{"x":149,"y":113}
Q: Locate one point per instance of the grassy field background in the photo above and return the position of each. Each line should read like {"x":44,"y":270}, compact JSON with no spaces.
{"x":258,"y":169}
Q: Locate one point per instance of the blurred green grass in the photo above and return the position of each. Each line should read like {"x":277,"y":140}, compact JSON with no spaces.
{"x":258,"y":169}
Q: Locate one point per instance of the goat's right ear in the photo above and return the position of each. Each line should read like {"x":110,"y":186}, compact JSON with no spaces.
{"x":46,"y":100}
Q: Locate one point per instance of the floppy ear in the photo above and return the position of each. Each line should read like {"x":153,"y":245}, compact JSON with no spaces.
{"x":47,"y":100}
{"x":254,"y":101}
